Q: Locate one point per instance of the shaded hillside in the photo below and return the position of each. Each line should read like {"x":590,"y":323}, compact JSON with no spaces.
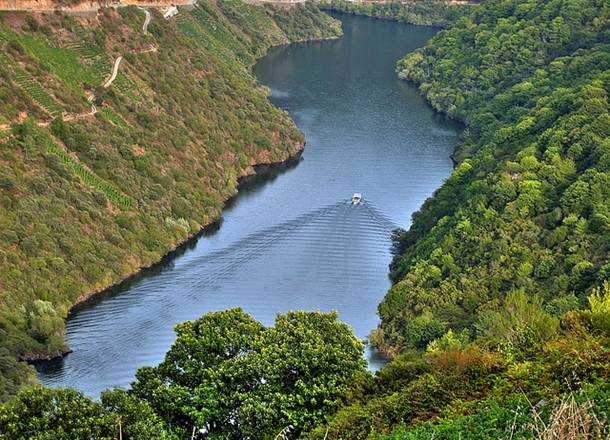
{"x":438,"y":13}
{"x":98,"y":182}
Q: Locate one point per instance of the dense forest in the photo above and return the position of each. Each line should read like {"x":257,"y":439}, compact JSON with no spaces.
{"x":499,"y":315}
{"x":528,"y":206}
{"x":498,"y":321}
{"x":89,"y":197}
{"x":427,"y":13}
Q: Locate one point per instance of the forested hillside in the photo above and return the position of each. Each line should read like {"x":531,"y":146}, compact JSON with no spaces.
{"x":97,"y":182}
{"x":428,"y":13}
{"x":499,"y":316}
{"x":528,"y":206}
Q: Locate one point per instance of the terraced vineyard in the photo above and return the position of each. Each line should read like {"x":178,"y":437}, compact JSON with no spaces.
{"x":255,"y":18}
{"x":29,"y":85}
{"x":235,"y":42}
{"x":35,"y":91}
{"x":123,"y":83}
{"x":114,"y":118}
{"x":88,"y":177}
{"x":95,"y":58}
{"x":160,"y":145}
{"x":198,"y":32}
{"x":91,"y":53}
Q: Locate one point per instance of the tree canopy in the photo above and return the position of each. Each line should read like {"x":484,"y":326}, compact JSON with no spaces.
{"x":231,"y":376}
{"x":527,"y":207}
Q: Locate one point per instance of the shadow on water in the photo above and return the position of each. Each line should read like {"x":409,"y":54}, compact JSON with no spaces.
{"x":264,"y":175}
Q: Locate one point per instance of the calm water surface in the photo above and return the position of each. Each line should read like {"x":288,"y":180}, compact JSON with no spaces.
{"x":292,"y":242}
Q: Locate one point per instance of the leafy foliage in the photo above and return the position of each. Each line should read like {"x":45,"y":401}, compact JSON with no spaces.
{"x":516,"y":417}
{"x":527,"y":207}
{"x":491,"y":277}
{"x":42,"y":413}
{"x":429,"y":13}
{"x":237,"y":379}
{"x":65,"y":414}
{"x":599,"y":306}
{"x":485,"y":388}
{"x":488,"y":288}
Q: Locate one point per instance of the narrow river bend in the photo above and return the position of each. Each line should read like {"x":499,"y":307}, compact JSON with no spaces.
{"x":292,"y":241}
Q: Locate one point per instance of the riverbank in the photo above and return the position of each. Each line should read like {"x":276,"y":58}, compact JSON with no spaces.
{"x":497,"y":285}
{"x":167,"y":148}
{"x":293,"y":243}
{"x":260,"y":172}
{"x":255,"y":173}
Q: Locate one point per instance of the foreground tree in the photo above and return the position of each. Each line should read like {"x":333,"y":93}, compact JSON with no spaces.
{"x":230,"y":376}
{"x":42,"y":413}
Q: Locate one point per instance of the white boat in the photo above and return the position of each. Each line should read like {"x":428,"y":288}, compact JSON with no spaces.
{"x":356,"y":199}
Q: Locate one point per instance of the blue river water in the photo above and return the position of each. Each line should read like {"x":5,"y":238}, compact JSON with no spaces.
{"x":291,"y":241}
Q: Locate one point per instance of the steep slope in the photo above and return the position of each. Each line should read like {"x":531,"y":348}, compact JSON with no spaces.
{"x":498,"y":320}
{"x":528,"y":206}
{"x":97,"y":182}
{"x":438,"y":13}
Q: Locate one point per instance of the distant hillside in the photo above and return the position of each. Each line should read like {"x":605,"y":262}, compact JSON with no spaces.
{"x":97,"y":182}
{"x":439,"y":13}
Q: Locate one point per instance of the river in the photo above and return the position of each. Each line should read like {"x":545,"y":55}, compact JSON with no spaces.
{"x":292,"y":241}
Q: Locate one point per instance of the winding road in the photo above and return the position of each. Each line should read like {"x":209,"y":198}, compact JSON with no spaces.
{"x":146,"y":20}
{"x":115,"y":71}
{"x":117,"y":62}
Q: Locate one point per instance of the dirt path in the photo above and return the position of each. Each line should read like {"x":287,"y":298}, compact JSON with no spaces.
{"x":92,"y":112}
{"x":115,"y":71}
{"x":151,"y":48}
{"x":146,"y":20}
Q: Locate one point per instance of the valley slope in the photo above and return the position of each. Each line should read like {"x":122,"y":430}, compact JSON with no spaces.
{"x":97,"y":182}
{"x":498,"y":319}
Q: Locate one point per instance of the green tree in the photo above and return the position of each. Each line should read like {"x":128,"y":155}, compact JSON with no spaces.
{"x":60,"y":414}
{"x":599,"y":308}
{"x":231,"y":376}
{"x":40,"y":413}
{"x":135,"y":417}
{"x":522,"y":323}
